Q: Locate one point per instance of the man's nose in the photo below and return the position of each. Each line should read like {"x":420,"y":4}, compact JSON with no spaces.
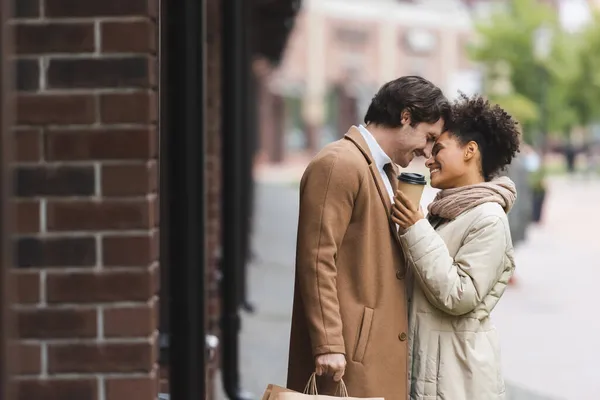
{"x":427,"y":150}
{"x":428,"y":161}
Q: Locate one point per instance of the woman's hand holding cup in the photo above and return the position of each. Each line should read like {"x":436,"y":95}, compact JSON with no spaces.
{"x":404,"y":212}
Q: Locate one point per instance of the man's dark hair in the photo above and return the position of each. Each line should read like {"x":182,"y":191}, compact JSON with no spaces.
{"x":422,"y":99}
{"x":493,"y":129}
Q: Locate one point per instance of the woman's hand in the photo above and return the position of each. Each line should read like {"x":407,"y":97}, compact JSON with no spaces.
{"x":404,"y":212}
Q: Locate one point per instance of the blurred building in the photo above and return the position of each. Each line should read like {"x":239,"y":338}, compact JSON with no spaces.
{"x":594,"y":4}
{"x":341,"y":52}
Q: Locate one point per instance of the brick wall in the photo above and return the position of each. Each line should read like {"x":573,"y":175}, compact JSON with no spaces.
{"x":85,"y":197}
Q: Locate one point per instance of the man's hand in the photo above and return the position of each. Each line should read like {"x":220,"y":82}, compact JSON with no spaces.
{"x":331,"y":364}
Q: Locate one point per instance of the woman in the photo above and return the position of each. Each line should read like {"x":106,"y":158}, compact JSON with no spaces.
{"x":460,"y":257}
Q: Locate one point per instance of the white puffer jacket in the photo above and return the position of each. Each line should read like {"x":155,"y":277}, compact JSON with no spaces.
{"x":459,"y":271}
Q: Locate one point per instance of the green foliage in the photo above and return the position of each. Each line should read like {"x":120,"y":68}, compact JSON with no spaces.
{"x":566,"y":85}
{"x":508,"y":36}
{"x":520,"y":107}
{"x":584,"y":82}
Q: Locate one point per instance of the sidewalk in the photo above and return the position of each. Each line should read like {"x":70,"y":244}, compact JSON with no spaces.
{"x":536,"y":319}
{"x":548,"y":321}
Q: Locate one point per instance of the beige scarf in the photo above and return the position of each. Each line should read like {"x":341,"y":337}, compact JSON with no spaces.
{"x":450,"y":203}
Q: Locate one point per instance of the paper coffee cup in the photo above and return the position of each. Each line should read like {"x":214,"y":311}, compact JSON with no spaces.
{"x":412,"y":185}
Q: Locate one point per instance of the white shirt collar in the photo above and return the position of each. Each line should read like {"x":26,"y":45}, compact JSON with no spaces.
{"x":379,"y":156}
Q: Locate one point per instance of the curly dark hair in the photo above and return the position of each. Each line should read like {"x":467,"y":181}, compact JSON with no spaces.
{"x":495,"y":131}
{"x":422,"y":99}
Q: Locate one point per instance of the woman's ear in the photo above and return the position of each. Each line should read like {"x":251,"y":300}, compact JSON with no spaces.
{"x":471,"y":150}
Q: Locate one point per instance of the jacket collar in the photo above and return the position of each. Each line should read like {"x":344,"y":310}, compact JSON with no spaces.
{"x":359,"y":141}
{"x":379,"y":156}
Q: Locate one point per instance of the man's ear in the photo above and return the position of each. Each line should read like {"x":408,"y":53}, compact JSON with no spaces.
{"x":405,"y":120}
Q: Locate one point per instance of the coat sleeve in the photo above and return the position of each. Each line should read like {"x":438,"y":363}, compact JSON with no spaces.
{"x":457,"y":285}
{"x":327,"y":193}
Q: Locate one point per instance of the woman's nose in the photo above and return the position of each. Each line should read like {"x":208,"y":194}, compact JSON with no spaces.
{"x":429,"y":161}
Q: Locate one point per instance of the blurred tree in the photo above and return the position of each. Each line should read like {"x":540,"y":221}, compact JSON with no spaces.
{"x":564,"y":71}
{"x":519,"y":106}
{"x":579,"y":68}
{"x":538,"y":89}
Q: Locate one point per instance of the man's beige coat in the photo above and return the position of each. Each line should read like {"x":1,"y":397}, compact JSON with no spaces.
{"x":349,"y":291}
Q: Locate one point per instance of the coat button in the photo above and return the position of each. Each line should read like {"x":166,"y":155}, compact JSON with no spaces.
{"x":402,"y":336}
{"x":399,"y":275}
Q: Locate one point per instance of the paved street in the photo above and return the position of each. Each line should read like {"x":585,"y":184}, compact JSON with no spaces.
{"x":548,"y":329}
{"x":549,"y":322}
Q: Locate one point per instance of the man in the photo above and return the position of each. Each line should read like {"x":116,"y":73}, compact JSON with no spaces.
{"x":350,"y":314}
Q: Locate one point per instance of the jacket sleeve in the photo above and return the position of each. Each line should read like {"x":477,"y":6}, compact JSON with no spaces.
{"x":327,"y":192}
{"x":456,"y":286}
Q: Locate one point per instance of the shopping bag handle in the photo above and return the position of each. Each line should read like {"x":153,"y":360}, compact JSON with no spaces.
{"x":311,"y":387}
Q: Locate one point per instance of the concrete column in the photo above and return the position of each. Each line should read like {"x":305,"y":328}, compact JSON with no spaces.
{"x":313,"y":106}
{"x":388,"y":62}
{"x":449,"y":49}
{"x":346,"y":110}
{"x":278,"y":110}
{"x":271,"y":109}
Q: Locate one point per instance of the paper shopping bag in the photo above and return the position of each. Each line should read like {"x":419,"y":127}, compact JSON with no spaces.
{"x":311,"y":393}
{"x":273,"y":391}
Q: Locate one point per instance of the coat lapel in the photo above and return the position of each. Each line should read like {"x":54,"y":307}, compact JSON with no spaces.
{"x":356,"y":137}
{"x":383,"y":194}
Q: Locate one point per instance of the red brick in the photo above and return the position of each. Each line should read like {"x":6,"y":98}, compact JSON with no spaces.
{"x":90,"y":73}
{"x":55,"y":252}
{"x":101,"y":358}
{"x":27,"y":216}
{"x":57,"y":389}
{"x":98,"y":8}
{"x":155,"y":279}
{"x":55,"y":109}
{"x":27,"y":74}
{"x":84,"y":215}
{"x":131,"y":388}
{"x":129,"y":37}
{"x":129,"y":251}
{"x":28,"y":145}
{"x":164,"y":380}
{"x":137,"y":321}
{"x":56,"y":323}
{"x":27,"y":287}
{"x":97,"y":144}
{"x":45,"y":180}
{"x":155,"y":208}
{"x":26,"y":8}
{"x":95,"y":287}
{"x":27,"y":358}
{"x":130,"y":108}
{"x":129,"y":179}
{"x":54,"y":38}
